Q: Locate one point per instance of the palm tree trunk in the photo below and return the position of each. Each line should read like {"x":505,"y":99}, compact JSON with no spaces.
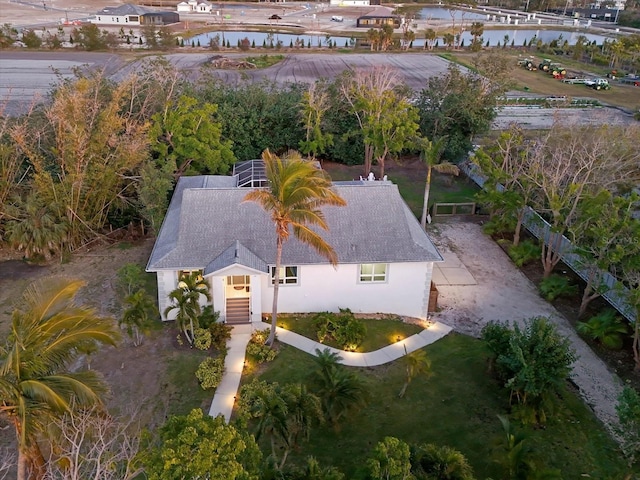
{"x":276,"y":290}
{"x":22,"y":465}
{"x":425,"y":204}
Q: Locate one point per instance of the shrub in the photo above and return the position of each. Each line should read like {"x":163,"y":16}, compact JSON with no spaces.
{"x":220,"y":333}
{"x":606,"y":327}
{"x":442,"y":462}
{"x":628,"y":410}
{"x":208,"y":317}
{"x":524,"y":252}
{"x":209,"y":372}
{"x":533,"y":361}
{"x":257,"y":350}
{"x":202,"y":338}
{"x":556,"y":286}
{"x":343,"y":327}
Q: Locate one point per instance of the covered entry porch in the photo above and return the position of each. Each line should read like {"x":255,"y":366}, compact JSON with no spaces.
{"x":237,"y":294}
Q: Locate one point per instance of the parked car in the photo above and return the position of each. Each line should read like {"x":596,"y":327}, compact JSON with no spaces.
{"x":598,"y":84}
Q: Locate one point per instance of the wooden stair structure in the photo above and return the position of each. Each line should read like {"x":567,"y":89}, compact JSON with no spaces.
{"x":238,"y":311}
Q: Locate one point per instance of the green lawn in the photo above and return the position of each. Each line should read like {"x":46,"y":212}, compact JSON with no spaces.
{"x":457,"y":406}
{"x":380,"y":332}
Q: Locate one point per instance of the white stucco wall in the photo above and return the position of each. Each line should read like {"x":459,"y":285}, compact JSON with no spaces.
{"x":321,"y":287}
{"x":122,"y":20}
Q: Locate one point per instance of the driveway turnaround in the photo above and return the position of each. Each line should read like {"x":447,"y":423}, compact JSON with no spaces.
{"x":225,"y":396}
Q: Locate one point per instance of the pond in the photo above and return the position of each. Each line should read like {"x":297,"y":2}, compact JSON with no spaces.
{"x":439,"y":13}
{"x":494,"y":37}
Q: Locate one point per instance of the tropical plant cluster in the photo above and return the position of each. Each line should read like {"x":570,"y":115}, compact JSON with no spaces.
{"x":532,"y":361}
{"x":257,"y":349}
{"x":347,"y":331}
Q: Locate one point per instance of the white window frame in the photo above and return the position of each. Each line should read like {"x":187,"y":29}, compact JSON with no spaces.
{"x":376,"y":275}
{"x":284,"y":278}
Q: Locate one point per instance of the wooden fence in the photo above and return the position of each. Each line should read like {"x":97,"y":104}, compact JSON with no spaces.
{"x":449,"y":209}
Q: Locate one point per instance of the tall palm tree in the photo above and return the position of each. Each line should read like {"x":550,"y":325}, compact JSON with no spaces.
{"x":430,"y":152}
{"x":47,"y":334}
{"x":186,"y":300}
{"x":297,"y":191}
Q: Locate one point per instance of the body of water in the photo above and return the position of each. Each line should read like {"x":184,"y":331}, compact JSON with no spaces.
{"x":439,"y":13}
{"x":494,"y":37}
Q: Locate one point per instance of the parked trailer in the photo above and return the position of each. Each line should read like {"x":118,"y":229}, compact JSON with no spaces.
{"x":575,"y":81}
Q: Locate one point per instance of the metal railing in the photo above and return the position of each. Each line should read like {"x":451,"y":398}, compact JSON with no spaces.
{"x":616,"y":294}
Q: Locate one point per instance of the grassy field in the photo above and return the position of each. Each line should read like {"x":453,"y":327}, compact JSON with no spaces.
{"x":457,"y":406}
{"x":624,"y":96}
{"x":380,"y":332}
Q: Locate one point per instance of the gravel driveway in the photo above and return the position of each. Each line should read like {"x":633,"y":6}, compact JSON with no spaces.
{"x":503,"y":293}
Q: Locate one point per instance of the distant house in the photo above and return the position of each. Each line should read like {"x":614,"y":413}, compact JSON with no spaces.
{"x":133,"y":15}
{"x":377,"y":21}
{"x":194,"y":6}
{"x":385,"y":259}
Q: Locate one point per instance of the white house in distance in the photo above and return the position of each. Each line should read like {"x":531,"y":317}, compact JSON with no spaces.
{"x":385,"y":259}
{"x":194,"y":6}
{"x":133,"y":15}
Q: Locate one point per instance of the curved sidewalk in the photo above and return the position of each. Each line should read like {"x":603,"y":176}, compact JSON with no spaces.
{"x":225,"y":396}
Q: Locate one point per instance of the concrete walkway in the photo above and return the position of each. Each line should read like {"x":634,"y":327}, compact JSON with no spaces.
{"x":226,"y":392}
{"x":225,"y":396}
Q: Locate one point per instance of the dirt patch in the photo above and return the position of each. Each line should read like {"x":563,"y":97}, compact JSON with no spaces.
{"x":137,"y":376}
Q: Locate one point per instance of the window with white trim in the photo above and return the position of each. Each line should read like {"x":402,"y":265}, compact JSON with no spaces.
{"x":288,"y":275}
{"x":373,"y":272}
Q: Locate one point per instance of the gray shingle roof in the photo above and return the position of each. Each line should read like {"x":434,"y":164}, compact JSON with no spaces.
{"x":236,"y":254}
{"x":126,"y":9}
{"x":203,"y":225}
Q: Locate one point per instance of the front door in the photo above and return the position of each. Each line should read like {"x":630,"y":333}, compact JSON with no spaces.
{"x":238,"y":293}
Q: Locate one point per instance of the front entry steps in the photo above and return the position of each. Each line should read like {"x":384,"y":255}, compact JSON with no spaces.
{"x":238,"y":311}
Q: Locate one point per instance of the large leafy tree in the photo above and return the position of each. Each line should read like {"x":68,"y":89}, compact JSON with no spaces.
{"x":391,"y":460}
{"x":185,"y":299}
{"x":190,"y":135}
{"x":606,"y":236}
{"x":257,"y":116}
{"x":314,"y":105}
{"x":294,"y":199}
{"x":199,"y":446}
{"x":507,"y":190}
{"x":48,"y":332}
{"x":457,"y":105}
{"x":385,"y":115}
